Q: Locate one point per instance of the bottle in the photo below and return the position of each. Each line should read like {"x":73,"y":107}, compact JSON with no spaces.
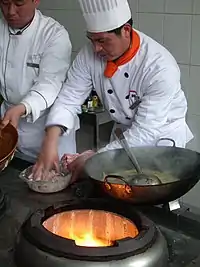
{"x":90,"y":104}
{"x":84,"y":107}
{"x":95,"y":99}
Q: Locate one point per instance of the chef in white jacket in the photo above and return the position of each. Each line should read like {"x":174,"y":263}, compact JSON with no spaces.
{"x":35,"y":53}
{"x":136,"y":78}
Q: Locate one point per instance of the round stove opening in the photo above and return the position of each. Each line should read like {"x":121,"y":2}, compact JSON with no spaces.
{"x":90,"y":232}
{"x":91,"y":228}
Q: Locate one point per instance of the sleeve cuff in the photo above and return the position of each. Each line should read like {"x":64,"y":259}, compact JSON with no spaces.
{"x":63,"y":117}
{"x":27,"y":107}
{"x":62,"y":128}
{"x":36,"y":103}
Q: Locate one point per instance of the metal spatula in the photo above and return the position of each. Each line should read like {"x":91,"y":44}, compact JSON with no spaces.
{"x":140,"y":178}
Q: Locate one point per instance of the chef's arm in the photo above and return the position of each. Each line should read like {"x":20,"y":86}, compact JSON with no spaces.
{"x":53,"y":68}
{"x":153,"y":111}
{"x":73,"y":94}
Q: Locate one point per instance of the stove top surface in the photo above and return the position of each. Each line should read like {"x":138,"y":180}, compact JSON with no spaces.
{"x":182,"y":231}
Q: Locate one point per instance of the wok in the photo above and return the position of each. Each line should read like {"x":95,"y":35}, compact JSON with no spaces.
{"x":182,"y":165}
{"x":8,"y":144}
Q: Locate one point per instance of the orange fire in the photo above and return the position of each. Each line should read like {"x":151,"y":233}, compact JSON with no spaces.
{"x":91,"y":228}
{"x":87,"y":240}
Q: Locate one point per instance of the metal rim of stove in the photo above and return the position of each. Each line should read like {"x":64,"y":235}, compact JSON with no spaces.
{"x":37,"y":235}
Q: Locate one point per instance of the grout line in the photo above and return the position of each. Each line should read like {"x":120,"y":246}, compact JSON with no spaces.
{"x":163,"y":23}
{"x":192,"y":114}
{"x":191,"y":37}
{"x":194,"y":65}
{"x":191,"y":55}
{"x":167,"y":13}
{"x":142,"y":12}
{"x":189,"y":65}
{"x":163,"y":29}
{"x":193,"y":7}
{"x":137,"y":2}
{"x":165,"y":6}
{"x":183,"y":64}
{"x":137,"y":14}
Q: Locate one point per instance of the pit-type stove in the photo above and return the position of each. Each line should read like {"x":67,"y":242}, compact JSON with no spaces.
{"x":90,"y":232}
{"x":179,"y":231}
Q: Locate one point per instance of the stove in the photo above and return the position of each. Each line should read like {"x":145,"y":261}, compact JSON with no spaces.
{"x":181,"y":231}
{"x":90,"y":232}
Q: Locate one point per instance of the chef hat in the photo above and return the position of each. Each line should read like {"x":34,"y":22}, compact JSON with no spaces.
{"x":105,"y":15}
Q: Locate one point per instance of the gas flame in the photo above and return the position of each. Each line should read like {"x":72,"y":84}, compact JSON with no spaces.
{"x":91,"y":228}
{"x":88,"y":240}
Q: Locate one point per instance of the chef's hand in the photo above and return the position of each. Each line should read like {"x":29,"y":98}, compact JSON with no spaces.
{"x":48,"y":158}
{"x":76,"y":166}
{"x":12,"y":116}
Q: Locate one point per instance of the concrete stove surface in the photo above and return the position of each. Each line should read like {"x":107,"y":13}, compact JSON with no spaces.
{"x":182,"y":234}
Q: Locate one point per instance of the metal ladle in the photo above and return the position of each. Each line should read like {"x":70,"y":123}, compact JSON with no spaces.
{"x":140,"y":178}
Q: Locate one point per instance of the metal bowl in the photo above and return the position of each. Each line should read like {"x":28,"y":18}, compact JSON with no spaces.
{"x":8,"y":144}
{"x":46,"y":186}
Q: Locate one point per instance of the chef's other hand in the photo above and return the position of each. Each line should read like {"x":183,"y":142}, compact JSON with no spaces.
{"x":76,"y":166}
{"x":48,"y":158}
{"x":12,"y":116}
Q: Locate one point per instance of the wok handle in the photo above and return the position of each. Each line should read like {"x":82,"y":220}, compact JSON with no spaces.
{"x":166,"y":139}
{"x":108,"y":185}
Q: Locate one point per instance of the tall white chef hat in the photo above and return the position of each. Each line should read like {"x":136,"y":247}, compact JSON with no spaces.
{"x":105,"y":15}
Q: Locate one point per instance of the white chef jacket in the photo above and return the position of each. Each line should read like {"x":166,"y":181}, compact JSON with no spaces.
{"x":153,"y":73}
{"x":33,"y":67}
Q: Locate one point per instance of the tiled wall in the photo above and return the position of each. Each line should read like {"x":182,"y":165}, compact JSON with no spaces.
{"x":175,"y":24}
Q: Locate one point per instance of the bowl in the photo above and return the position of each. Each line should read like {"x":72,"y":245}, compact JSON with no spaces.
{"x":46,"y":186}
{"x":8,"y":144}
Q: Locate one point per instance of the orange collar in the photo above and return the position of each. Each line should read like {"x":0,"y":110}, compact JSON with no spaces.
{"x":112,"y":66}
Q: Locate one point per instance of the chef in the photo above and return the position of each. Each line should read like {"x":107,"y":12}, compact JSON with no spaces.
{"x":35,"y":54}
{"x":137,"y":80}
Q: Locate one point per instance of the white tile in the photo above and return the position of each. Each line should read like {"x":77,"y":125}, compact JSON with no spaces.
{"x":152,"y":25}
{"x":179,"y":6}
{"x":196,"y":7}
{"x":136,"y":21}
{"x":177,"y":36}
{"x":192,"y":198}
{"x":195,"y":58}
{"x":59,"y":4}
{"x":155,"y":6}
{"x":194,"y":91}
{"x":76,"y":29}
{"x":134,"y":9}
{"x":185,"y":78}
{"x":194,"y":125}
{"x":133,"y":5}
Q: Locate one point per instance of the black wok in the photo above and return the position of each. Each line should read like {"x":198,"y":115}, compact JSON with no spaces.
{"x":183,"y":165}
